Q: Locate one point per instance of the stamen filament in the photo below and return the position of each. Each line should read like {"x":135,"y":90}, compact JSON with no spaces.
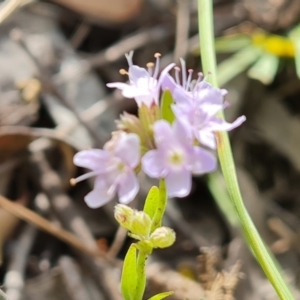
{"x":157,"y":56}
{"x":129,"y":58}
{"x":177,"y":71}
{"x":188,"y":83}
{"x":183,"y":68}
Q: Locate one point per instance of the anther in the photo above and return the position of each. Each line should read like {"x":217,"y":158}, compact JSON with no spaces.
{"x":200,"y":77}
{"x":157,"y":56}
{"x":73,"y":181}
{"x":123,"y":72}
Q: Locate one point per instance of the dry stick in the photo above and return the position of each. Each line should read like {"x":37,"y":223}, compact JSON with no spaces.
{"x":118,"y":242}
{"x":31,"y":217}
{"x":10,"y":6}
{"x":80,"y":34}
{"x":131,"y":42}
{"x":50,"y":183}
{"x":182,"y":29}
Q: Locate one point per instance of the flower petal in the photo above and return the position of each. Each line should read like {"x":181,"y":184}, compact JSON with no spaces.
{"x":92,"y":159}
{"x":167,"y":82}
{"x":216,"y":124}
{"x":203,"y":161}
{"x":128,"y":188}
{"x":135,"y":73}
{"x":128,"y":149}
{"x":179,"y":183}
{"x":99,"y":195}
{"x":163,"y":134}
{"x":183,"y":132}
{"x":206,"y":138}
{"x":118,"y":85}
{"x":153,"y":165}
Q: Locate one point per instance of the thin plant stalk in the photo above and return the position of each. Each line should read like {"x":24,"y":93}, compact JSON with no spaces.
{"x":206,"y":33}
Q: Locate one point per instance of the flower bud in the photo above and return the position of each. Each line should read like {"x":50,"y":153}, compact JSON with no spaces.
{"x":124,"y":215}
{"x":163,"y":237}
{"x":141,"y":224}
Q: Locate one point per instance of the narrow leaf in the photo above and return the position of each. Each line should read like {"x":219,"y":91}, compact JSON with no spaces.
{"x":129,"y":275}
{"x":151,"y":201}
{"x":231,"y":43}
{"x":295,"y":37}
{"x":161,"y":205}
{"x":265,"y":68}
{"x":166,"y":109}
{"x":161,"y":295}
{"x":237,"y":63}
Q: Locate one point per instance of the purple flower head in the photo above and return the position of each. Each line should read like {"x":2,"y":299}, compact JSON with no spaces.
{"x":197,"y":102}
{"x":113,"y":168}
{"x":144,"y":85}
{"x":176,"y":158}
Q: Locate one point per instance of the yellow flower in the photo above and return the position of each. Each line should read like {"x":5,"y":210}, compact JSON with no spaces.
{"x":275,"y":44}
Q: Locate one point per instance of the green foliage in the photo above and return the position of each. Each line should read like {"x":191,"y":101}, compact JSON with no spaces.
{"x":129,"y":274}
{"x":295,"y":37}
{"x":265,"y":68}
{"x":166,"y":109}
{"x":151,"y":202}
{"x":237,"y":63}
{"x":161,"y":296}
{"x":231,"y":43}
{"x":161,"y":205}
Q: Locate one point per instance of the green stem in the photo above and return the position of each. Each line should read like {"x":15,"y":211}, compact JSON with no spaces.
{"x":205,"y":13}
{"x":141,"y":276}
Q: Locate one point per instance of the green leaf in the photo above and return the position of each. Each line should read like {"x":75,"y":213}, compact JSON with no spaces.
{"x":231,"y":43}
{"x":161,"y":296}
{"x":237,"y":64}
{"x":129,"y":274}
{"x":161,"y":205}
{"x":295,"y":37}
{"x":151,"y":202}
{"x":265,"y":68}
{"x":166,"y":110}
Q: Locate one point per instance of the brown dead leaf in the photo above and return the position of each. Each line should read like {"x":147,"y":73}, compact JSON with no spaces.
{"x":113,"y":11}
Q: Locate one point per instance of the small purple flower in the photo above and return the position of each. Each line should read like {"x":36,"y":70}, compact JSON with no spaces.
{"x":175,"y":158}
{"x":144,"y":85}
{"x":113,"y":168}
{"x":197,"y":102}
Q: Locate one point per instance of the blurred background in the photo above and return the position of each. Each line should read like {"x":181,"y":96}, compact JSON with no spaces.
{"x":56,"y":57}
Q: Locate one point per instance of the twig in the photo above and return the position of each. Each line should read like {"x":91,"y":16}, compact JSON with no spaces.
{"x":182,"y":29}
{"x":10,"y":6}
{"x":118,"y":242}
{"x":131,"y":42}
{"x":80,"y":34}
{"x":31,"y":217}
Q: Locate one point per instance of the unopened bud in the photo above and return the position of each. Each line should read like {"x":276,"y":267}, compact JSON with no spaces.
{"x":124,"y":215}
{"x":163,"y":237}
{"x":141,"y":224}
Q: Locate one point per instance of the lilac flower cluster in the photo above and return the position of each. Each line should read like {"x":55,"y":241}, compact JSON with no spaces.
{"x":161,"y":149}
